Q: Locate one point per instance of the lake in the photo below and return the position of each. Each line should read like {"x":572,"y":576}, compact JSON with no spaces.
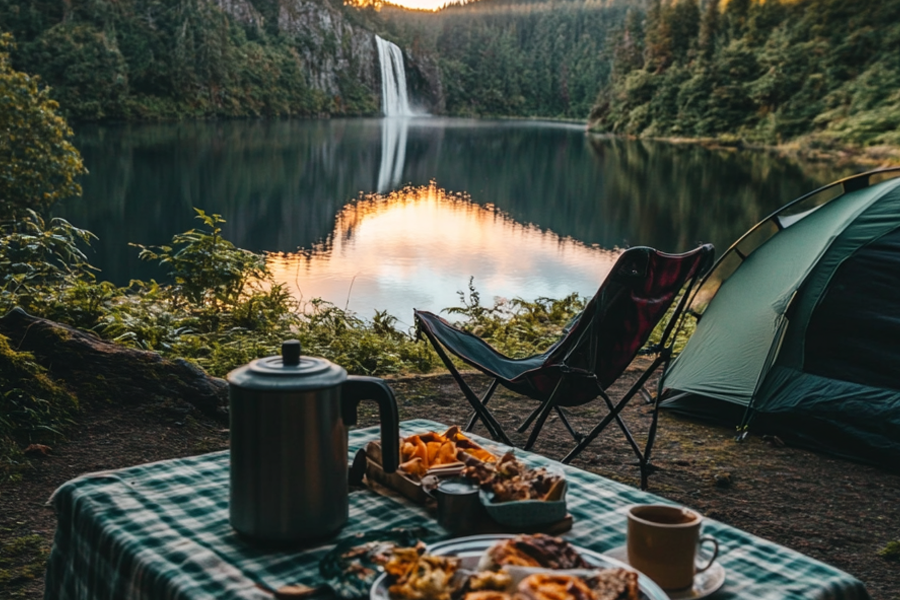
{"x":396,"y":214}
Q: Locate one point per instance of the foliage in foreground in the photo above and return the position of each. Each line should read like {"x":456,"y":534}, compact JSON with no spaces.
{"x":22,"y":559}
{"x":891,"y":551}
{"x":38,"y":164}
{"x":33,"y":407}
{"x":221,"y":308}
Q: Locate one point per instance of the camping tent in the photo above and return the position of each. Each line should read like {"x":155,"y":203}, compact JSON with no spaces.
{"x":799,"y":329}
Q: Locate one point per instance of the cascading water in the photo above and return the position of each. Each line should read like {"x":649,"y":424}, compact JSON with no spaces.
{"x":395,"y":101}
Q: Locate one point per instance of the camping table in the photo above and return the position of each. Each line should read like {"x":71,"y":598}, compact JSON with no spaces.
{"x":161,"y":530}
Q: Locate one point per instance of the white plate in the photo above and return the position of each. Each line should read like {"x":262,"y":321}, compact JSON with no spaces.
{"x":705,"y":583}
{"x":470,"y":550}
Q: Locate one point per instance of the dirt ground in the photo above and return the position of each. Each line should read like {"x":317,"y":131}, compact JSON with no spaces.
{"x":839,"y":512}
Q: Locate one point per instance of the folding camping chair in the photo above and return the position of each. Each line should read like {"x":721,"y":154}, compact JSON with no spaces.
{"x":594,"y":351}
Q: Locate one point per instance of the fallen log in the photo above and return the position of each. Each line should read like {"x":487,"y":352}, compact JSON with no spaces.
{"x":96,"y":370}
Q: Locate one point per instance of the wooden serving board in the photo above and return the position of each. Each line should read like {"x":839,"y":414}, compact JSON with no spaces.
{"x":396,"y":481}
{"x":377,"y":480}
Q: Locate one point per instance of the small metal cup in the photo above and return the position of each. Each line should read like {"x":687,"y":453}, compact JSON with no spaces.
{"x":459,"y":508}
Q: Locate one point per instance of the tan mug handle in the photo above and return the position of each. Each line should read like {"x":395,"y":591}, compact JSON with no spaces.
{"x":712,"y":558}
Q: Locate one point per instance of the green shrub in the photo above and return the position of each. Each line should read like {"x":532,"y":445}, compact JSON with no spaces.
{"x":38,"y":164}
{"x":221,"y":310}
{"x":33,"y":407}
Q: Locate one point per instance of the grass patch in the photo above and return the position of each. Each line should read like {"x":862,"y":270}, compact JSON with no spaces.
{"x":891,"y":551}
{"x":22,"y":560}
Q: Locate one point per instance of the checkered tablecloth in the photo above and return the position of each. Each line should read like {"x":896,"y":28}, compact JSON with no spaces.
{"x":161,"y":531}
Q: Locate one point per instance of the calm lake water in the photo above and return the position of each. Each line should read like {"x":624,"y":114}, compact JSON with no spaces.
{"x":393,"y":214}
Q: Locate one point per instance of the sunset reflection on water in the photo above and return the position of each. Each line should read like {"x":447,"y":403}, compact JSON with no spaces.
{"x":417,"y":247}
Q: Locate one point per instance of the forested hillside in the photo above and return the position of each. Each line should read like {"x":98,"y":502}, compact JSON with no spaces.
{"x":140,"y":59}
{"x":826,"y":71}
{"x":766,"y":71}
{"x":517,"y":58}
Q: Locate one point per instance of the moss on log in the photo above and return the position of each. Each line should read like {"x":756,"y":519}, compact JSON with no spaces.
{"x":96,"y":370}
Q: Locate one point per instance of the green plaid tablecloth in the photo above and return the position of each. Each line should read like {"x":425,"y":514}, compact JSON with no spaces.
{"x":161,"y":531}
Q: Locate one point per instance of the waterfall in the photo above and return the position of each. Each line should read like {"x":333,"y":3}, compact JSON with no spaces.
{"x":395,"y":102}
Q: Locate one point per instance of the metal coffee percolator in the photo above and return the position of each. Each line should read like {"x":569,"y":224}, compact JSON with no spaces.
{"x":289,"y":418}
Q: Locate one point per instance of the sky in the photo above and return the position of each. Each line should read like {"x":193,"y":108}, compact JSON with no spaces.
{"x":424,"y":4}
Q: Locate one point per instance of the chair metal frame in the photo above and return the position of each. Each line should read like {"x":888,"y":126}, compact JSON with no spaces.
{"x":663,"y":351}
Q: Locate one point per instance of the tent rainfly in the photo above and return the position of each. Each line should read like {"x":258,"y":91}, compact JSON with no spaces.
{"x":799,"y":329}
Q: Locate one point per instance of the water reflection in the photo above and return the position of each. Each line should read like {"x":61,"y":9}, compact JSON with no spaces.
{"x":283,"y":186}
{"x":393,"y":152}
{"x":418,"y":246}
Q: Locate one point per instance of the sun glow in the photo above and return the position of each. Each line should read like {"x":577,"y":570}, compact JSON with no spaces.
{"x":423,"y":244}
{"x":427,"y":5}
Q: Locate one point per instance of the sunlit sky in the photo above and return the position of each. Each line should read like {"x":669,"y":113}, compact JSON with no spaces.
{"x":421,"y":4}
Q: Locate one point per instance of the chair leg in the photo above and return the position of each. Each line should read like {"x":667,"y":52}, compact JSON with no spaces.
{"x":562,"y":415}
{"x":545,"y":412}
{"x":484,"y":400}
{"x":493,"y":427}
{"x":524,"y":426}
{"x":616,"y":410}
{"x":614,"y":414}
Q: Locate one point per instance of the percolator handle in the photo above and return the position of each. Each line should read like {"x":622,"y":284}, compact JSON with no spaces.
{"x":358,"y":388}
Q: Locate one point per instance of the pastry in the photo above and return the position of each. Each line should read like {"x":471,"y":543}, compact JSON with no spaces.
{"x":614,"y":584}
{"x":553,"y":586}
{"x":538,"y":550}
{"x":488,"y":595}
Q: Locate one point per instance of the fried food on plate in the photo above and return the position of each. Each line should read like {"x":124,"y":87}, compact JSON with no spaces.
{"x":614,"y":584}
{"x":488,"y":581}
{"x":421,"y":576}
{"x":538,"y":550}
{"x":488,"y":595}
{"x":553,"y":586}
{"x":603,"y":584}
{"x":511,"y":480}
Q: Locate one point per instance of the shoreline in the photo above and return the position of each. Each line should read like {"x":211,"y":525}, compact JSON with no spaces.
{"x":810,"y":149}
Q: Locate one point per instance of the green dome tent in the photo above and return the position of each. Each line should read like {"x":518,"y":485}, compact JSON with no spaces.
{"x":799,"y":328}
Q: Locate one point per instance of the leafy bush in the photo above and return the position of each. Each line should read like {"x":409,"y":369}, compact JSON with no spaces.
{"x":40,"y":264}
{"x":38,"y":164}
{"x":518,"y":328}
{"x":33,"y":407}
{"x":222,"y":309}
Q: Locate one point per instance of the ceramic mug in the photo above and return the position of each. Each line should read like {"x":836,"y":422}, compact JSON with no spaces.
{"x":663,"y":542}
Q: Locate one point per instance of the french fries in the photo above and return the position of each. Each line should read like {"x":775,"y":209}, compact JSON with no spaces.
{"x":419,"y":453}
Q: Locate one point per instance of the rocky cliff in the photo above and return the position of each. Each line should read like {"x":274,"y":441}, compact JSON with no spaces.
{"x":337,"y":54}
{"x":184,"y":59}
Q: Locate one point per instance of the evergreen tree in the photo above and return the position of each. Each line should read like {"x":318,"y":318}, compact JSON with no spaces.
{"x":768,"y":71}
{"x":709,"y":29}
